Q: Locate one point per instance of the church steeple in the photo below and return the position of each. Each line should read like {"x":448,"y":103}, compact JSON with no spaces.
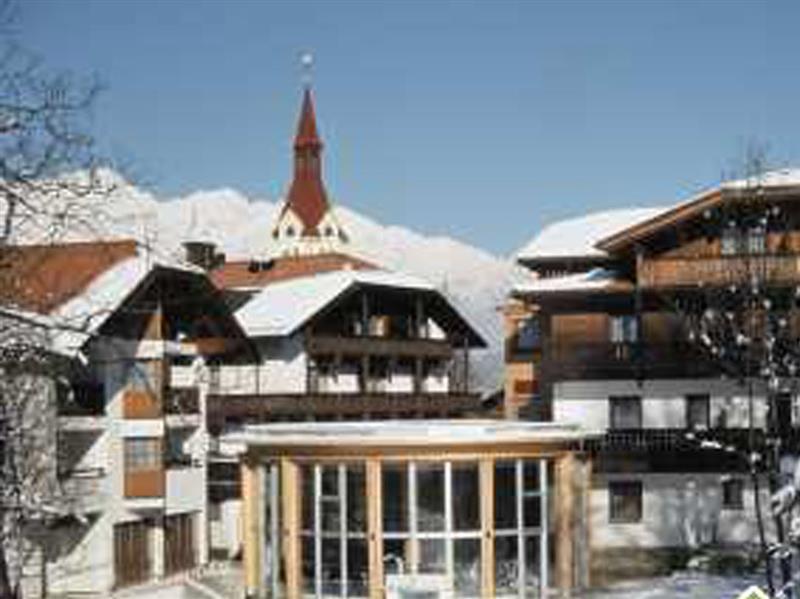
{"x":307,"y":224}
{"x":307,"y":197}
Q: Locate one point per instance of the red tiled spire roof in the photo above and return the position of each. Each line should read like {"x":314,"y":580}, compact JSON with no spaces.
{"x":307,"y":197}
{"x":307,"y":125}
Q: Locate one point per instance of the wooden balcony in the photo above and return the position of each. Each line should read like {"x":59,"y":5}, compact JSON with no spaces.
{"x":142,"y":484}
{"x":666,"y":273}
{"x":623,"y":361}
{"x":83,"y":489}
{"x":302,"y":406}
{"x":138,"y":405}
{"x":379,"y":346}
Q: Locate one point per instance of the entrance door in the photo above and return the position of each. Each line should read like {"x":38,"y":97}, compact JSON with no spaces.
{"x":179,"y":543}
{"x":131,"y":553}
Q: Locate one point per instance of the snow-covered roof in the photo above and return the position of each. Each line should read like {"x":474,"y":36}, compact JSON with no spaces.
{"x":778,"y":178}
{"x":696,"y":204}
{"x":396,"y":433}
{"x":281,"y":308}
{"x":95,"y":304}
{"x":596,"y":279}
{"x":576,"y":237}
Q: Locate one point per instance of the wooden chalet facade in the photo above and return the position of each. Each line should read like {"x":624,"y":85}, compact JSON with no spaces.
{"x":613,"y":336}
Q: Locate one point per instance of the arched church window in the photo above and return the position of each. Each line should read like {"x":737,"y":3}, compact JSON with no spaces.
{"x":329,"y":232}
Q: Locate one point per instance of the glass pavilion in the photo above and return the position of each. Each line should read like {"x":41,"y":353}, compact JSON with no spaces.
{"x":413,"y":508}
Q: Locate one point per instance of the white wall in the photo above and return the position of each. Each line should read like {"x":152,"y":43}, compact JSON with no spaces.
{"x":186,"y":490}
{"x":678,"y":510}
{"x":283,"y":365}
{"x":81,"y":557}
{"x":663,"y":402}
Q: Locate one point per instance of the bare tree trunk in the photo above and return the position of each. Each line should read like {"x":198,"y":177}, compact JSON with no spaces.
{"x":6,"y":592}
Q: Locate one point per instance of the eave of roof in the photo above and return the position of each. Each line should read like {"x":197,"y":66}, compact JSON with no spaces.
{"x":281,"y":309}
{"x":595,"y":281}
{"x":774,"y":183}
{"x":679,"y":213}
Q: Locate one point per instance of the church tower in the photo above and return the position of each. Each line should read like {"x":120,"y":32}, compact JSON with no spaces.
{"x":307,"y":224}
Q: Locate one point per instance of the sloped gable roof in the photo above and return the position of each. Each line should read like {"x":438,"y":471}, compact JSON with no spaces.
{"x":577,"y":237}
{"x":283,"y":308}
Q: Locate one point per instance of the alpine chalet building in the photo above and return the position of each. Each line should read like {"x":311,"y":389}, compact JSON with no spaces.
{"x":615,"y":330}
{"x":111,"y":439}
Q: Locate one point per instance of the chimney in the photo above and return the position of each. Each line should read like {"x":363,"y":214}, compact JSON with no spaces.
{"x":203,"y":254}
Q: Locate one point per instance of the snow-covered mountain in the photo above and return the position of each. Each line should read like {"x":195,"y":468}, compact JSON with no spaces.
{"x":474,"y":279}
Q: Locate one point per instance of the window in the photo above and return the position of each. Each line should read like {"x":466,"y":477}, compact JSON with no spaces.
{"x":756,"y":241}
{"x":749,"y":241}
{"x":143,"y":454}
{"x":624,"y":502}
{"x":733,"y":494}
{"x":623,"y":329}
{"x":528,"y":334}
{"x":625,"y":412}
{"x":697,"y":411}
{"x":729,"y":243}
{"x":176,"y":454}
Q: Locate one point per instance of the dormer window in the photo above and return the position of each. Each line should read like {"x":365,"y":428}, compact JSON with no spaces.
{"x":290,"y":231}
{"x":329,"y":232}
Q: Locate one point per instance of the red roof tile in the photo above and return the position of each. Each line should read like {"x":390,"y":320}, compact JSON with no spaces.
{"x":250,"y":274}
{"x":42,"y":277}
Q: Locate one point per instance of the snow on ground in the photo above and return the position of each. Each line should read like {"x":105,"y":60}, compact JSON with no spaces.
{"x":686,"y":585}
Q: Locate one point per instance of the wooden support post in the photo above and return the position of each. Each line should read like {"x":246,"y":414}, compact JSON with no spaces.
{"x":565,"y":514}
{"x":375,"y":528}
{"x":291,"y":504}
{"x":420,"y":321}
{"x":251,"y":526}
{"x":585,"y":526}
{"x":466,"y":363}
{"x":365,"y":361}
{"x":486,"y":467}
{"x":418,"y":372}
{"x":364,"y":315}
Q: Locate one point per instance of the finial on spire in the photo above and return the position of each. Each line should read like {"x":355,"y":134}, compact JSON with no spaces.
{"x":306,"y":62}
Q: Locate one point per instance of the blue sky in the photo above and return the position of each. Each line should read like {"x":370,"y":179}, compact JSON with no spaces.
{"x":479,"y":120}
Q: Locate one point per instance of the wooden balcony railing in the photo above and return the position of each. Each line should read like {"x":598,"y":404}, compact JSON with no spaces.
{"x":82,"y":488}
{"x":662,"y":273}
{"x":264,"y":408}
{"x":623,"y":361}
{"x":729,"y":440}
{"x":138,"y":404}
{"x":144,"y":483}
{"x":378,"y":346}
